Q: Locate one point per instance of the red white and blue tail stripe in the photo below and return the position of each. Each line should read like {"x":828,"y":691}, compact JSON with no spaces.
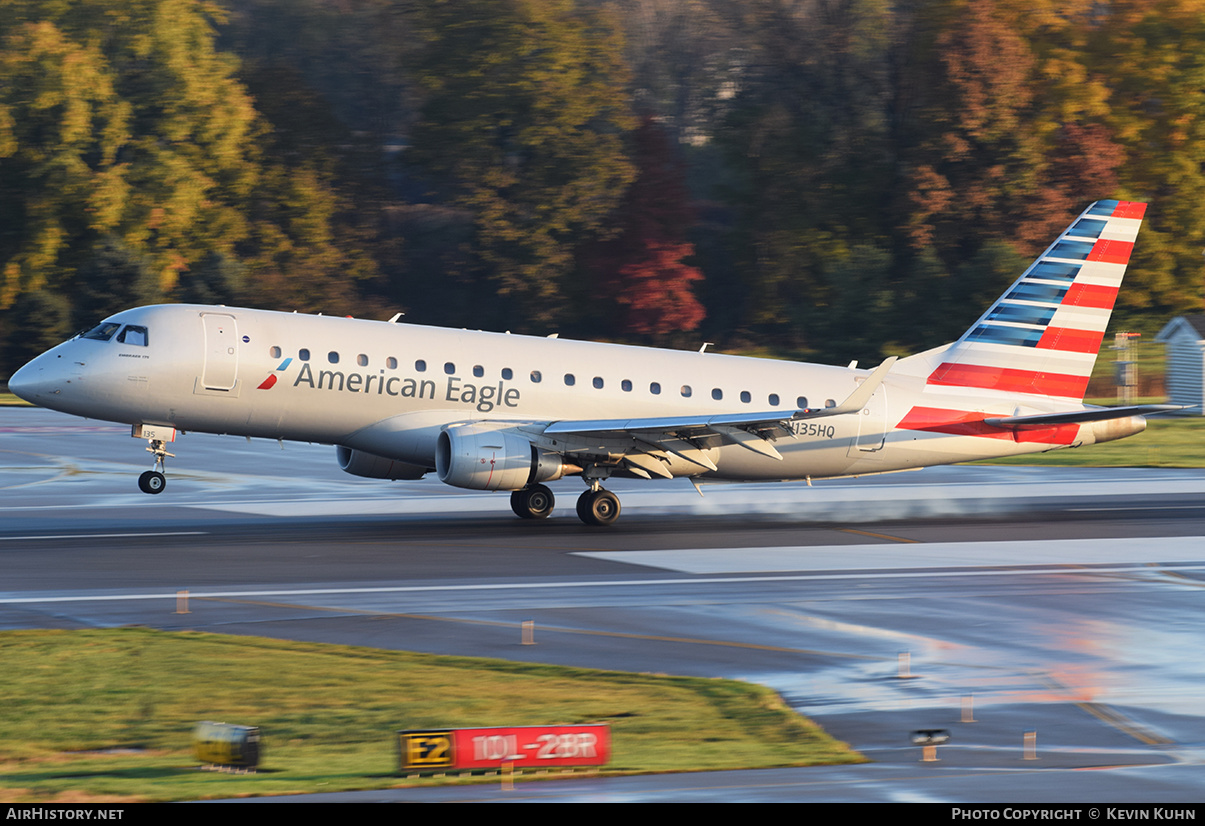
{"x":1042,"y":336}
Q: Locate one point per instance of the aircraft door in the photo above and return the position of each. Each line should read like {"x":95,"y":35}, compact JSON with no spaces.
{"x":221,"y":351}
{"x":872,"y":425}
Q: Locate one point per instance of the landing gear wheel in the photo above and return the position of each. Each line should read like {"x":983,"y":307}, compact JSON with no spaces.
{"x":598,"y":507}
{"x":532,"y":503}
{"x":152,"y":482}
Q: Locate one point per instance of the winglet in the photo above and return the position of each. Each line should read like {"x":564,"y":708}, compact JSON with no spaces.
{"x":857,"y":399}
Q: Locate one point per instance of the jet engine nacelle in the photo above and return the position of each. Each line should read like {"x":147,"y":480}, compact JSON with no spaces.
{"x":360,"y":463}
{"x":471,"y":456}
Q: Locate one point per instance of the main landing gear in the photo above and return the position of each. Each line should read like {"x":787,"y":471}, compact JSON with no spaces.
{"x":598,"y":507}
{"x":595,"y":506}
{"x":535,"y":502}
{"x":153,"y":481}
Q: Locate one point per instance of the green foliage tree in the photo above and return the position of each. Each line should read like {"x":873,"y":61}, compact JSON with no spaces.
{"x":36,"y":322}
{"x":809,"y":140}
{"x":121,"y":125}
{"x":522,"y":122}
{"x":113,"y":278}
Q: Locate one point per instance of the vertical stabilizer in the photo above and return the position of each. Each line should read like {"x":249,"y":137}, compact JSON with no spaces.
{"x":1042,"y":336}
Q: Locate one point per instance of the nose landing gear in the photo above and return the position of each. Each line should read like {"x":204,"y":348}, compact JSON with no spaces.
{"x":153,"y":481}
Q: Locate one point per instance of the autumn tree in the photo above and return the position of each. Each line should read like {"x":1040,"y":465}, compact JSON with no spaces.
{"x":641,"y":269}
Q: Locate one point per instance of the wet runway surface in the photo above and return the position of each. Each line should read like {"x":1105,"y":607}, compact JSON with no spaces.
{"x":991,"y":602}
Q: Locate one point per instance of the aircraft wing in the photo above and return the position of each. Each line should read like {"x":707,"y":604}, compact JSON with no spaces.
{"x":684,"y":435}
{"x":1088,"y":414}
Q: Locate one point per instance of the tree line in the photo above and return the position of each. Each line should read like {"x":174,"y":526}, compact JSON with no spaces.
{"x":833,"y":179}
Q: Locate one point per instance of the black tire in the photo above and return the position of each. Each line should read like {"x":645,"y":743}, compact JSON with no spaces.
{"x":518,"y":504}
{"x":532,"y":503}
{"x":598,"y":507}
{"x":540,"y":502}
{"x":152,"y":482}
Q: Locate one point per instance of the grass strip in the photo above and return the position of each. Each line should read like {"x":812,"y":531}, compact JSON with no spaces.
{"x":107,"y":715}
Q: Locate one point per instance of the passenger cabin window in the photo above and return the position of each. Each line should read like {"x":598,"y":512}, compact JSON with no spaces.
{"x":686,"y":391}
{"x":420,"y":366}
{"x":830,"y":403}
{"x":362,"y":360}
{"x":570,"y":380}
{"x":773,"y":400}
{"x":102,"y":332}
{"x":598,"y":383}
{"x":507,"y":373}
{"x":717,"y":393}
{"x":478,"y":370}
{"x":626,"y":384}
{"x":746,"y":396}
{"x":449,"y":367}
{"x":655,"y":388}
{"x":133,"y":334}
{"x":802,"y":402}
{"x":391,"y":363}
{"x":303,"y":354}
{"x":332,"y":357}
{"x":535,"y":377}
{"x":274,"y":352}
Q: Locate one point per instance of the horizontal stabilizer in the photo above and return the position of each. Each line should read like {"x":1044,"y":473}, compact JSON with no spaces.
{"x":1089,"y":414}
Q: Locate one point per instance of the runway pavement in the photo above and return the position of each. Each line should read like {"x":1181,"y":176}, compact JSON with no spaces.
{"x":1064,"y":603}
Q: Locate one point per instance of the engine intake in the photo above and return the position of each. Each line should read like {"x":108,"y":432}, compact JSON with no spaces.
{"x":471,"y":456}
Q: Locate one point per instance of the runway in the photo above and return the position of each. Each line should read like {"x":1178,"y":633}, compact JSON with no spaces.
{"x":1065,"y":603}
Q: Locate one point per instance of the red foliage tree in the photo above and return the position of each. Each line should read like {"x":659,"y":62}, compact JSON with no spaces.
{"x":642,"y":268}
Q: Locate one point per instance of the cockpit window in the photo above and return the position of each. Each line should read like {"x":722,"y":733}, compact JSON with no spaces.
{"x":133,"y":334}
{"x":103,"y":331}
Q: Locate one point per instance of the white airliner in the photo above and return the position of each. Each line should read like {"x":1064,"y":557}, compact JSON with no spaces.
{"x":493,"y":411}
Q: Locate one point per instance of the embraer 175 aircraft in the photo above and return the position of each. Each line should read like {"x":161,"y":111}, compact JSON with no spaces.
{"x":492,"y":411}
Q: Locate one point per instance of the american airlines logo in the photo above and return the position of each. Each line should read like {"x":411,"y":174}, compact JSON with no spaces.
{"x":270,"y":381}
{"x":456,"y":390}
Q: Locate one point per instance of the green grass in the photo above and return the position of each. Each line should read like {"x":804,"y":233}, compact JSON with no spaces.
{"x":106,"y":715}
{"x":9,"y":400}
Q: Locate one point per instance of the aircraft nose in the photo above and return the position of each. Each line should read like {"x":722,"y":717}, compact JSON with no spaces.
{"x":36,"y":382}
